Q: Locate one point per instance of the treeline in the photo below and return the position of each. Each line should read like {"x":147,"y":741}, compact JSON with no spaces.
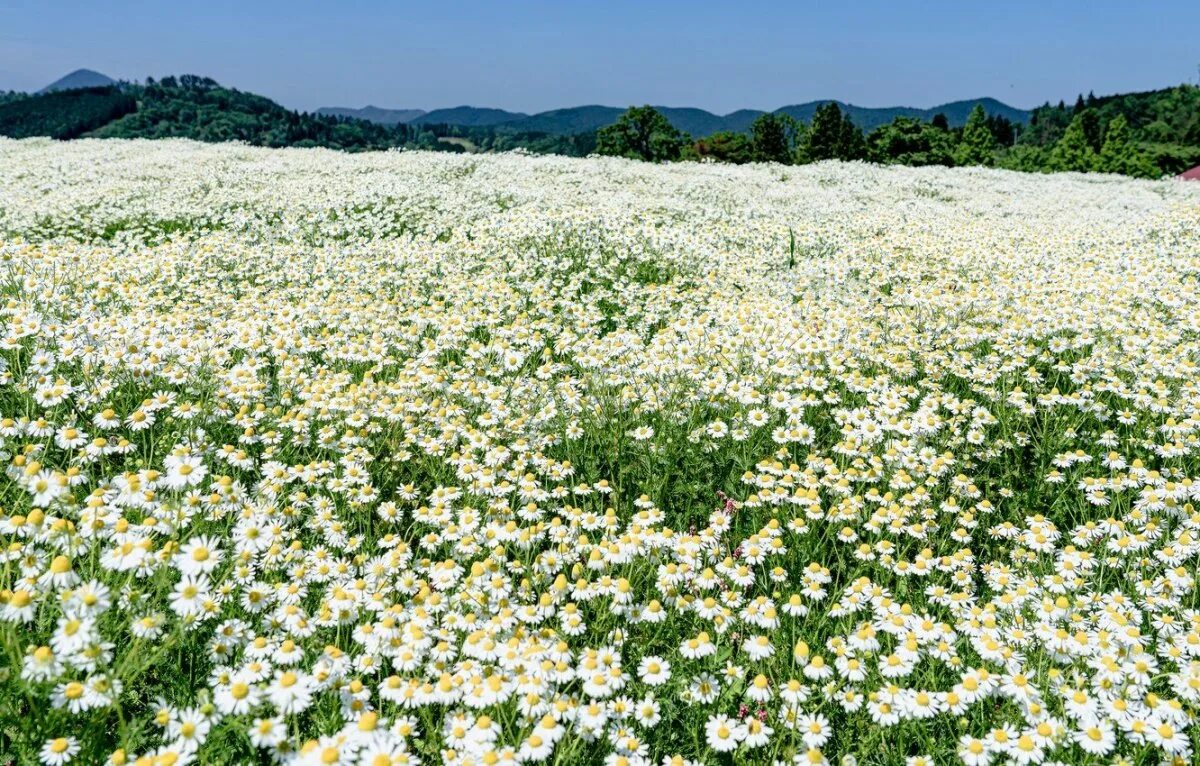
{"x":1131,"y":135}
{"x":1164,"y":126}
{"x":1139,"y":134}
{"x":62,"y":114}
{"x":202,"y":109}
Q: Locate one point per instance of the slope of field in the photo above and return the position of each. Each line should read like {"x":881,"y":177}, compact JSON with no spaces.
{"x":418,"y":458}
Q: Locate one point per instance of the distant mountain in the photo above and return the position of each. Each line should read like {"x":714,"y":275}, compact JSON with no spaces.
{"x":696,"y":122}
{"x":80,"y":78}
{"x":957,"y":111}
{"x":468,"y":116}
{"x":576,"y":119}
{"x":373,"y":114}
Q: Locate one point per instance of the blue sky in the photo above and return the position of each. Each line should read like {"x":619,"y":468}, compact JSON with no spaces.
{"x":530,"y":56}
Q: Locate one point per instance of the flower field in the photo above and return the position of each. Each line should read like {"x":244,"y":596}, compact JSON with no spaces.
{"x":402,"y":458}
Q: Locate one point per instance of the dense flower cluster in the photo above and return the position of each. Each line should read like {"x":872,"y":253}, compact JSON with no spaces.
{"x":411,"y":458}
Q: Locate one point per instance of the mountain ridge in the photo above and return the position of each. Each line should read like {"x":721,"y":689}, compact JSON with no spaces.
{"x":699,"y":123}
{"x":372,"y":113}
{"x":694,"y":121}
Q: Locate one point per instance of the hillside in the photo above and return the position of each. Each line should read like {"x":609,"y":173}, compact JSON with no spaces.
{"x":373,"y":114}
{"x":697,"y":123}
{"x":64,"y":114}
{"x":468,"y":116}
{"x":1165,"y":123}
{"x":200,"y":108}
{"x":80,"y":78}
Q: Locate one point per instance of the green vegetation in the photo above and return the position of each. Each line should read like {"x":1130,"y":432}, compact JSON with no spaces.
{"x":978,"y":145}
{"x":911,"y":142}
{"x":1144,"y":135}
{"x":834,"y":136}
{"x":63,"y":114}
{"x":725,"y":146}
{"x":641,"y":133}
{"x":200,"y":108}
{"x":1158,"y":133}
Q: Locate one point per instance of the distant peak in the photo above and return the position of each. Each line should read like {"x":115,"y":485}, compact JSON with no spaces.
{"x":80,"y":78}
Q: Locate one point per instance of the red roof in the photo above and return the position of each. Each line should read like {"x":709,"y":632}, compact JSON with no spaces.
{"x":1191,"y":175}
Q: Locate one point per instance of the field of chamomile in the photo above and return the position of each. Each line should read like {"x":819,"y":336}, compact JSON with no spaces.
{"x":413,"y":458}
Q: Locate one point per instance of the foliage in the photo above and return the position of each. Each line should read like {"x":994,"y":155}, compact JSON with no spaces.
{"x":1160,"y":131}
{"x":64,"y":114}
{"x":910,"y":142}
{"x":1165,"y":124}
{"x":641,"y":133}
{"x":1074,"y":151}
{"x":1120,"y":155}
{"x":726,"y":146}
{"x":833,"y":136}
{"x":773,"y":138}
{"x":1024,"y":157}
{"x":978,"y":144}
{"x":199,"y":108}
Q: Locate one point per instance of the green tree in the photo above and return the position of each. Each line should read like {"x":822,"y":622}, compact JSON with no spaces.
{"x":905,"y":141}
{"x":1093,"y":131}
{"x":772,"y":138}
{"x":851,"y":143}
{"x":725,"y":146}
{"x":978,"y":145}
{"x":1120,"y":155}
{"x":1073,"y":152}
{"x":825,"y":136}
{"x":641,"y":133}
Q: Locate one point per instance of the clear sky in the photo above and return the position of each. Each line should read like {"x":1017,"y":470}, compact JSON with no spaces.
{"x":528,"y":56}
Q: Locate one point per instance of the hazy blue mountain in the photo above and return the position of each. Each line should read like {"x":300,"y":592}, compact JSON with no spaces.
{"x":575,"y":119}
{"x":374,"y":114}
{"x":468,"y":116}
{"x":80,"y":78}
{"x":957,"y":111}
{"x":741,"y":120}
{"x":696,"y":122}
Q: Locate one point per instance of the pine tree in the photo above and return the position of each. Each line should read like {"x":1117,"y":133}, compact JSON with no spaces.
{"x":1120,"y":154}
{"x":771,"y":138}
{"x":1092,"y":129}
{"x":1073,"y":152}
{"x":978,"y":145}
{"x":825,"y":138}
{"x":851,"y":144}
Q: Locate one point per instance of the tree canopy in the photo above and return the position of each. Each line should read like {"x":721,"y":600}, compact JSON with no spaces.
{"x":1139,"y":134}
{"x":641,"y":133}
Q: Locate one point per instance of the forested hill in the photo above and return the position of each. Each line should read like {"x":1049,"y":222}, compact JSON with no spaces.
{"x":1144,"y":134}
{"x":193,"y":107}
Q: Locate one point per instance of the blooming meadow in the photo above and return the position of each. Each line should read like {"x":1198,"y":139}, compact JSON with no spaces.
{"x":404,"y":458}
